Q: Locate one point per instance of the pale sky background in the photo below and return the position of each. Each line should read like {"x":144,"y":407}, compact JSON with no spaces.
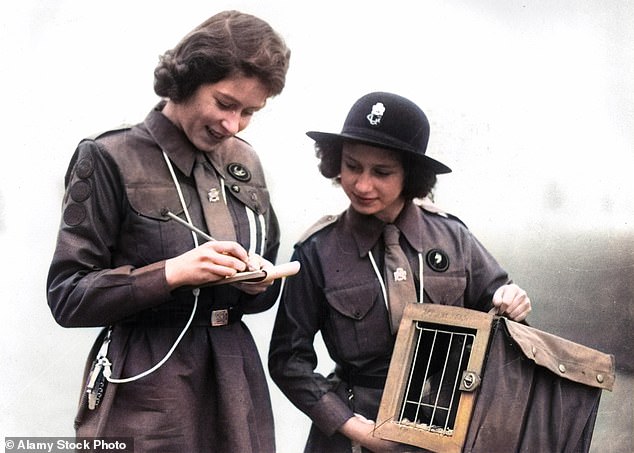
{"x":530,"y":102}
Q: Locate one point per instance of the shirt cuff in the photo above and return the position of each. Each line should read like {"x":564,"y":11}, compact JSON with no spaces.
{"x":150,"y":285}
{"x":330,"y":413}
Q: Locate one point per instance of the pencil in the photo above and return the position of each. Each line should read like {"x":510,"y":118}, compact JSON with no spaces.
{"x":166,"y":212}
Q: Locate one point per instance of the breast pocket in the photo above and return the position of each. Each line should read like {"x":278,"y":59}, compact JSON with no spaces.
{"x":446,"y":289}
{"x":358,"y":322}
{"x":148,"y":231}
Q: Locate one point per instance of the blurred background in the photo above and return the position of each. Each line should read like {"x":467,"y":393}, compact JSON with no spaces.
{"x":531,"y":103}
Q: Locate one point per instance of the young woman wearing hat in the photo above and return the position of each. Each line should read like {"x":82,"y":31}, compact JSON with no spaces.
{"x":379,"y":160}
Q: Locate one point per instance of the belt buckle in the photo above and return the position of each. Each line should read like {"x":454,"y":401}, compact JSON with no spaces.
{"x":219,"y":317}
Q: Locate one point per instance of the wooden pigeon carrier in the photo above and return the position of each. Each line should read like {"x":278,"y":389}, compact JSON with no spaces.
{"x":466,"y":381}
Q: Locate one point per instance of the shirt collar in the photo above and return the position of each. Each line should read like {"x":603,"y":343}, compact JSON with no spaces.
{"x":171,"y":140}
{"x":367,"y":229}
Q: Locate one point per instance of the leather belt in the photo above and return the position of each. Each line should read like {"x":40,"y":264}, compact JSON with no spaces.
{"x":218,"y":318}
{"x":205,"y":317}
{"x":361,"y":380}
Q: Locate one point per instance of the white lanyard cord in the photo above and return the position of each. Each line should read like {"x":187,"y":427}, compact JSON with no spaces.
{"x":379,"y":277}
{"x":180,"y":195}
{"x":196,"y":291}
{"x":382,"y":283}
{"x":222,"y":188}
{"x":421,"y":286}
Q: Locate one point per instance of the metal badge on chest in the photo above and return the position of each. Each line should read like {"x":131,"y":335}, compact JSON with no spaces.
{"x":437,"y":260}
{"x":213,"y":195}
{"x":239,"y":172}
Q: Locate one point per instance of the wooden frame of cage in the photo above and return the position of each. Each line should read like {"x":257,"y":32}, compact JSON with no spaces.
{"x":473,"y":329}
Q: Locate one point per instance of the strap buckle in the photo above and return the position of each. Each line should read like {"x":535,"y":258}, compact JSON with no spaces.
{"x":219,"y":317}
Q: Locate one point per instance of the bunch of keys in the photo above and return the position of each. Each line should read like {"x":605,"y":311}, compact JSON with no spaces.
{"x":97,"y":382}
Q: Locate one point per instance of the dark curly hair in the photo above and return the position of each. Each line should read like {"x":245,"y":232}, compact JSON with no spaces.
{"x":419,"y":178}
{"x":227,"y":44}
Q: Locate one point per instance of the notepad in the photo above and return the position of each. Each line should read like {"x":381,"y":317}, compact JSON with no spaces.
{"x":259,"y":276}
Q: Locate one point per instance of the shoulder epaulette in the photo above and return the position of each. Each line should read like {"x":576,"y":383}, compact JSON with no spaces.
{"x":317,"y":226}
{"x":427,"y":205}
{"x":430,"y":206}
{"x":121,"y":127}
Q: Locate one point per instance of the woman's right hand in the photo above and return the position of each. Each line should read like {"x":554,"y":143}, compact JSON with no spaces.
{"x":207,"y":263}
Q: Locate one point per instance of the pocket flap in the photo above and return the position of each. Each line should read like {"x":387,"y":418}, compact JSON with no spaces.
{"x":446,"y":289}
{"x":151,"y":200}
{"x":255,"y":197}
{"x":353,"y":301}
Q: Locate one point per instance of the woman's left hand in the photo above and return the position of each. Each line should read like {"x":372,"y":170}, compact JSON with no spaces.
{"x":512,"y":301}
{"x":256,"y":263}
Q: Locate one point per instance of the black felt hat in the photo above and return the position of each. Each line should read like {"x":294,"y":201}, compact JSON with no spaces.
{"x":389,"y":121}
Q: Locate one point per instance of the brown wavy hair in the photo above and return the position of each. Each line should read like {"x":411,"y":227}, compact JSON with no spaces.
{"x":227,"y":44}
{"x":419,"y":178}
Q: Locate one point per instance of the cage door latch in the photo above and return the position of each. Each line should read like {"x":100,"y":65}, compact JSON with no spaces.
{"x":470,"y":381}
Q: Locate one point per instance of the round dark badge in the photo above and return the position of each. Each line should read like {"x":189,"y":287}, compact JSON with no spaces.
{"x":74,"y":214}
{"x":84,"y":168}
{"x":239,"y":172}
{"x":437,"y":260}
{"x":80,"y":191}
